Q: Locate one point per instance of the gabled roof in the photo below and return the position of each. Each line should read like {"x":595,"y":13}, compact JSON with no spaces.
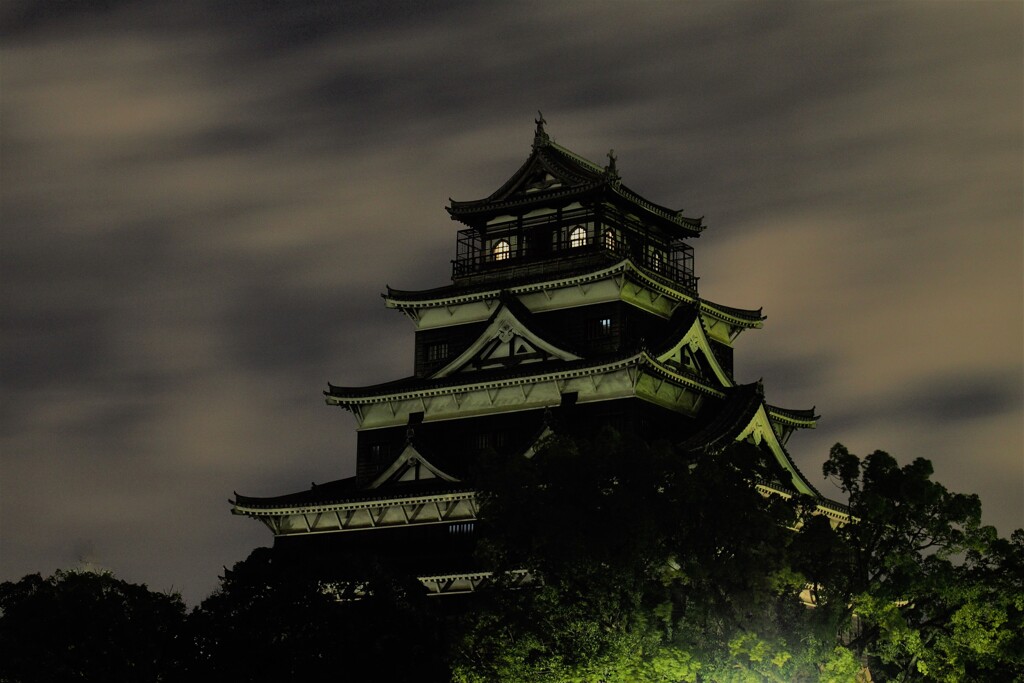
{"x":553,"y":173}
{"x":410,"y":465}
{"x":727,"y":422}
{"x":510,"y":339}
{"x":409,"y":475}
{"x":761,"y":431}
{"x":688,"y":347}
{"x":743,"y":416}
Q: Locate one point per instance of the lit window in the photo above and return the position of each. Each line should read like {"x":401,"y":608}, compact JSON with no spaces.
{"x":656,"y":260}
{"x":578,"y":237}
{"x":501,"y":250}
{"x":609,"y":239}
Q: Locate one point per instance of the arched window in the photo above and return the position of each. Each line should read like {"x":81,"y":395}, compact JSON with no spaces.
{"x":656,"y":260}
{"x":501,"y":250}
{"x":577,"y":237}
{"x":608,"y":239}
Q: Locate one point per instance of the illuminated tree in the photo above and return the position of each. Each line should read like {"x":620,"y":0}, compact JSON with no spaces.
{"x":648,"y":566}
{"x":931,"y":594}
{"x":652,"y":566}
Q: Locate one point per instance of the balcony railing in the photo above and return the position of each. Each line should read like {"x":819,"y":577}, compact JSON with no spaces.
{"x":521,"y":254}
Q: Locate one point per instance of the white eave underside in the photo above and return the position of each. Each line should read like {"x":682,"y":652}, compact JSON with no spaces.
{"x":640,"y":361}
{"x":353,"y":505}
{"x":468,"y":512}
{"x":624,"y":270}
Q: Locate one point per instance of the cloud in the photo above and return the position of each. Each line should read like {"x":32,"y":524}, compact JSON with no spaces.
{"x":202,"y":202}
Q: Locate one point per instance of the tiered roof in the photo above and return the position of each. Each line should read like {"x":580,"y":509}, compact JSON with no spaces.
{"x":515,"y":353}
{"x":553,"y":173}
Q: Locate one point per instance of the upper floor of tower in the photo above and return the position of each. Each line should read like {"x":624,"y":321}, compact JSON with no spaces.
{"x":559,"y":213}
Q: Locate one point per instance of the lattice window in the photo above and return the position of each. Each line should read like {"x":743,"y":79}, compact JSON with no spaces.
{"x":608,"y":240}
{"x":437,"y":351}
{"x":501,"y":250}
{"x":577,"y":237}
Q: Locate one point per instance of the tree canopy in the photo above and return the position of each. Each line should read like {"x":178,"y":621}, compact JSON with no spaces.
{"x":652,"y":566}
{"x":931,"y":593}
{"x":275,"y":619}
{"x":88,"y":626}
{"x":645,"y":564}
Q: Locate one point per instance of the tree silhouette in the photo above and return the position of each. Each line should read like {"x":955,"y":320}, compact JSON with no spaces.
{"x":87,"y":626}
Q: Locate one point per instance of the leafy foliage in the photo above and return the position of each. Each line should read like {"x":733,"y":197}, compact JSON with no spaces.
{"x":277,"y":619}
{"x":932,"y":594}
{"x":654,"y":567}
{"x":647,"y":565}
{"x":87,"y":626}
{"x":651,"y":567}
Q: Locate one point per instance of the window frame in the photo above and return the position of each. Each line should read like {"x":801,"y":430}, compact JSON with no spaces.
{"x":610,"y":240}
{"x":436,"y":351}
{"x":577,"y":236}
{"x":501,"y":250}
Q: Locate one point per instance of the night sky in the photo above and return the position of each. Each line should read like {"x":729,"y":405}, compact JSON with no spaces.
{"x":202,"y":201}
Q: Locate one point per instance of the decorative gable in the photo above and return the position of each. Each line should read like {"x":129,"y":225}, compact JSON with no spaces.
{"x":536,"y":176}
{"x":506,"y":342}
{"x":410,"y":466}
{"x":693,"y":354}
{"x":759,"y":431}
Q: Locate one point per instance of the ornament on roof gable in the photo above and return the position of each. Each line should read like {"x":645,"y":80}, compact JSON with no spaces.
{"x":610,"y":170}
{"x":540,"y":136}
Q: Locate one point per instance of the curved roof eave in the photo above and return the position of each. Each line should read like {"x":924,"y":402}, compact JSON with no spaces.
{"x":414,"y":387}
{"x":802,"y":418}
{"x":578,"y":170}
{"x":450,"y":295}
{"x":583,"y":176}
{"x":744,"y":317}
{"x":291,"y":504}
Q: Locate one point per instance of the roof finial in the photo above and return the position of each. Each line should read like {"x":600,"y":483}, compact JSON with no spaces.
{"x":610,"y":168}
{"x":540,"y":136}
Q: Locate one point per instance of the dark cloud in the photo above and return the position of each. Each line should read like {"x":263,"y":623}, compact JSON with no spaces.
{"x":202,"y":202}
{"x":939,"y":403}
{"x":21,"y":17}
{"x":51,"y":343}
{"x":966,"y":398}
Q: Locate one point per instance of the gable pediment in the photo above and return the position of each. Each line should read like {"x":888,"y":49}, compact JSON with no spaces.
{"x":410,"y":465}
{"x":506,"y":342}
{"x":692,"y":353}
{"x":540,"y":173}
{"x":760,"y":432}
